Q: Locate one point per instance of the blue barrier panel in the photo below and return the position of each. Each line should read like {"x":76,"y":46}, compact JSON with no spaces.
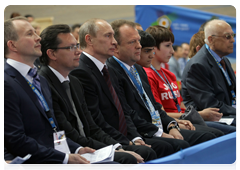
{"x":183,"y":22}
{"x":221,"y":150}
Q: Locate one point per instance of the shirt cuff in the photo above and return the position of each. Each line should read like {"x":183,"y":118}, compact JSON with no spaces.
{"x":77,"y":150}
{"x":65,"y":161}
{"x":136,"y":139}
{"x":172,"y":122}
{"x":158,"y":133}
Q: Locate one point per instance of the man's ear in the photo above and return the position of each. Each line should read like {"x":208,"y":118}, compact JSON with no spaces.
{"x":11,"y":45}
{"x":88,"y":39}
{"x":51,"y":54}
{"x":210,"y":39}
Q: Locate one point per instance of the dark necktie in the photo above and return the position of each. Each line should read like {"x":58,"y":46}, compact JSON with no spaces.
{"x":122,"y":121}
{"x":80,"y":125}
{"x":36,"y":80}
{"x":223,"y":64}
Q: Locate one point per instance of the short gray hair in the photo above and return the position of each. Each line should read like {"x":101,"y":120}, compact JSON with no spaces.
{"x":89,"y":27}
{"x":10,"y":32}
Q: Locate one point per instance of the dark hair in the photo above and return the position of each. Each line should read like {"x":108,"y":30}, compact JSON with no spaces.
{"x":10,"y":32}
{"x":28,"y":15}
{"x":117,"y":24}
{"x":147,"y":39}
{"x":75,"y":26}
{"x":50,"y":40}
{"x":160,"y":34}
{"x":175,"y":47}
{"x":14,"y":14}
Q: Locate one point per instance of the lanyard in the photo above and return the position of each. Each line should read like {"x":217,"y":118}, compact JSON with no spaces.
{"x":225,"y":75}
{"x":44,"y":104}
{"x":169,"y":85}
{"x":138,"y":87}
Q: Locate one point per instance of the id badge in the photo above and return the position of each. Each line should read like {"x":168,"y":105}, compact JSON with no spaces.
{"x":156,"y":120}
{"x":60,"y":142}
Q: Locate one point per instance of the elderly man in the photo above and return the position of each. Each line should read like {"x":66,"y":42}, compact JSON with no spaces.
{"x":208,"y":79}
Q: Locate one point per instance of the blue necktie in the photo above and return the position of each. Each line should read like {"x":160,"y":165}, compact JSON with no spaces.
{"x":36,"y":80}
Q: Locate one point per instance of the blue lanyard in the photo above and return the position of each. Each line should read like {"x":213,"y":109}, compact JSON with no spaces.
{"x":225,"y":75}
{"x":139,"y":87}
{"x":44,"y":104}
{"x":169,"y":85}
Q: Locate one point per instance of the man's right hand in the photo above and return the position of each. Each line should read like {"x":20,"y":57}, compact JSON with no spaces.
{"x":77,"y":159}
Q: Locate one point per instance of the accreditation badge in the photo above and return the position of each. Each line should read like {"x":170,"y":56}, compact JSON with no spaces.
{"x":60,"y":142}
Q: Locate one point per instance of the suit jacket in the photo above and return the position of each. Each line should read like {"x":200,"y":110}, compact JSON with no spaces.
{"x":63,"y":110}
{"x":135,"y":104}
{"x":26,"y":126}
{"x":204,"y":85}
{"x":100,"y":102}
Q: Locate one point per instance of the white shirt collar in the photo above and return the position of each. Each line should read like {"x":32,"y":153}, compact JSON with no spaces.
{"x":126,"y":65}
{"x":59,"y":76}
{"x":98,"y":63}
{"x":22,"y":68}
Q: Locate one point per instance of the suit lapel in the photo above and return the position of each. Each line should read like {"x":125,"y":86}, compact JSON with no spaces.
{"x":57,"y":86}
{"x":99,"y":76}
{"x":218,"y":74}
{"x":23,"y":83}
{"x":124,"y":74}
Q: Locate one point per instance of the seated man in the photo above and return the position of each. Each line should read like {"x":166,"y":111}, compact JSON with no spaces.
{"x":208,"y":78}
{"x":134,"y":84}
{"x":70,"y":109}
{"x":29,"y":122}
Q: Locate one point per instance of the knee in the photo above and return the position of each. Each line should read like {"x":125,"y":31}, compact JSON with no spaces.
{"x":149,"y":153}
{"x":124,"y":158}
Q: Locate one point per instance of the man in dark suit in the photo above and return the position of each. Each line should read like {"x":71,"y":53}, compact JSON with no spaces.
{"x":70,"y":109}
{"x":28,"y":115}
{"x":206,"y":83}
{"x":137,"y":91}
{"x":101,"y":89}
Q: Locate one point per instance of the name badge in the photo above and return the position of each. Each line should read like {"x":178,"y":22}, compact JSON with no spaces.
{"x":60,"y":142}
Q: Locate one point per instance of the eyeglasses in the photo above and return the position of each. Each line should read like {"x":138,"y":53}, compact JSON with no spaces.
{"x":227,"y":36}
{"x":71,"y":48}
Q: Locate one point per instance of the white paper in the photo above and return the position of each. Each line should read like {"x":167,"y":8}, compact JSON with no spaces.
{"x":19,"y":160}
{"x":226,"y":120}
{"x":101,"y":155}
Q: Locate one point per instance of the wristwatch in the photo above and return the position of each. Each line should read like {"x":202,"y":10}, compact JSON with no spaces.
{"x":174,"y":127}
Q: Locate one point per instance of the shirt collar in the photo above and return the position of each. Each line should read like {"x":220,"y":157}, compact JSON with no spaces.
{"x":214,"y":54}
{"x":98,"y":63}
{"x":59,"y":76}
{"x":126,"y":65}
{"x":22,"y":68}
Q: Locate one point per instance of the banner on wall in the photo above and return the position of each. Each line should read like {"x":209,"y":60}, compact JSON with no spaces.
{"x":183,"y":22}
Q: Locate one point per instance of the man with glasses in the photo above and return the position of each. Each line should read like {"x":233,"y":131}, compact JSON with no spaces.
{"x":208,"y":79}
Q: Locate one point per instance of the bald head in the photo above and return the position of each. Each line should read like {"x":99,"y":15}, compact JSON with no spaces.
{"x":215,"y":27}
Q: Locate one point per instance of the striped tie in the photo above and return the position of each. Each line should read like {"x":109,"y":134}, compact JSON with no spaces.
{"x":36,"y":80}
{"x":122,"y":121}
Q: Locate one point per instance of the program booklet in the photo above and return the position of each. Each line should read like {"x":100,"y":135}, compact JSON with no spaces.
{"x":105,"y":154}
